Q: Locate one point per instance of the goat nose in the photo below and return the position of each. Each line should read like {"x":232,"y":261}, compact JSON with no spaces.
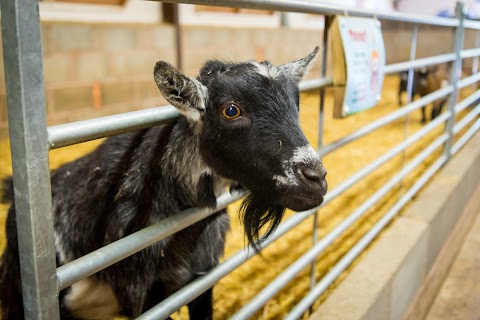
{"x":314,"y":175}
{"x":311,"y":174}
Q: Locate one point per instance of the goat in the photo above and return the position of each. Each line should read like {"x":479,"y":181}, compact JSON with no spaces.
{"x":419,"y":82}
{"x":239,"y":126}
{"x":425,"y":81}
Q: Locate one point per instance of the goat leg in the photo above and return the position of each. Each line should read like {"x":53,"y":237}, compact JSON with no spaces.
{"x":424,"y":116}
{"x":202,"y":307}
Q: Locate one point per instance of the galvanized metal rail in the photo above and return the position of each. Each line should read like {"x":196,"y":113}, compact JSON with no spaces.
{"x":22,"y":58}
{"x":31,"y":140}
{"x":81,"y":131}
{"x":305,"y":6}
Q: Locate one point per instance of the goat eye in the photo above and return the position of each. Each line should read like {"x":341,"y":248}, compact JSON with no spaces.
{"x":231,"y":111}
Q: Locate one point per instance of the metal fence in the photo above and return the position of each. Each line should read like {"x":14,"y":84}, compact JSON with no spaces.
{"x":31,"y":141}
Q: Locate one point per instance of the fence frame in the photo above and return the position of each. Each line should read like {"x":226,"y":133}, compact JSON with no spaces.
{"x":22,"y":53}
{"x":31,"y":140}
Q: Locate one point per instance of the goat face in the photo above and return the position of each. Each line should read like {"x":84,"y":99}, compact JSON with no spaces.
{"x":247,"y":119}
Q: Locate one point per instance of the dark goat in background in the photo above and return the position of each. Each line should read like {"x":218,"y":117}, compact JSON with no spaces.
{"x":419,"y":82}
{"x":425,"y":81}
{"x":239,"y":127}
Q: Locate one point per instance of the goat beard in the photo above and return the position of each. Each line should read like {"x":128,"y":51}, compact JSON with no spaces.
{"x":258,"y":212}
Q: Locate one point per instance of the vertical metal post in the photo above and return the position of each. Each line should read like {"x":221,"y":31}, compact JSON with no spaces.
{"x":410,"y":79}
{"x":323,"y":74}
{"x":284,"y":21}
{"x":455,"y":75}
{"x":321,"y":119}
{"x":475,"y":59}
{"x":178,"y":36}
{"x":22,"y":56}
{"x":413,"y":52}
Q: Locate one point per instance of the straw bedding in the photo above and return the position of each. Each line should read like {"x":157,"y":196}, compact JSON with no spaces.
{"x":239,"y":287}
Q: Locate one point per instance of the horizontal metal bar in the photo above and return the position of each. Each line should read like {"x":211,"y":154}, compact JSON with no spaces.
{"x":200,"y":285}
{"x":464,"y":139}
{"x":472,"y":115}
{"x":81,"y":131}
{"x":195,"y":288}
{"x":375,"y":164}
{"x":417,"y":104}
{"x":104,"y":257}
{"x":188,"y":293}
{"x":465,"y":103}
{"x":313,"y":295}
{"x":359,"y":247}
{"x":419,"y":63}
{"x":470,"y":53}
{"x":468,"y":80}
{"x":471,"y":24}
{"x":290,"y":273}
{"x":308,"y":85}
{"x":320,"y":8}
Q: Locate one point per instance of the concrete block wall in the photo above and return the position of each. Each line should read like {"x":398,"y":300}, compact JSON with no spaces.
{"x":92,"y":70}
{"x":240,"y":44}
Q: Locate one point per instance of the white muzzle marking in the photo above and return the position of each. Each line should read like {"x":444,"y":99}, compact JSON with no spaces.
{"x":305,"y":155}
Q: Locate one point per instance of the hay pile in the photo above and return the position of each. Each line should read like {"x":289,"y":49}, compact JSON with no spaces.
{"x":242,"y":285}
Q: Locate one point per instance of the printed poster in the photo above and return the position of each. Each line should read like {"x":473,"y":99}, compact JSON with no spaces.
{"x":359,"y":63}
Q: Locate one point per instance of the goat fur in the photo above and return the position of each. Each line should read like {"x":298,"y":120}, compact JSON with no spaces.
{"x":136,"y":179}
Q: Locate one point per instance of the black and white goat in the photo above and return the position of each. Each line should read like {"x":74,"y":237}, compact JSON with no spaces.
{"x":239,"y":126}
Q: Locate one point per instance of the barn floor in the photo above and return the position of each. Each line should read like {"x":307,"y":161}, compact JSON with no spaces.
{"x":242,"y":285}
{"x":459,"y":296}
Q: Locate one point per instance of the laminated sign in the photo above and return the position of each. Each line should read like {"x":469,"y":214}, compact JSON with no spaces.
{"x":358,"y":63}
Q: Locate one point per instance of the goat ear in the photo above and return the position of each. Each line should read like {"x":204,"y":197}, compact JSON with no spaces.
{"x":184,"y":93}
{"x":210,"y":70}
{"x":298,"y":68}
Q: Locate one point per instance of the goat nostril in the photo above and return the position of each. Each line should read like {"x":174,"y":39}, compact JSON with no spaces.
{"x":313,"y":175}
{"x":323,"y":173}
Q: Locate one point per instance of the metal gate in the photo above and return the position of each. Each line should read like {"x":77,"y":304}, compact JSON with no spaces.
{"x":31,"y":141}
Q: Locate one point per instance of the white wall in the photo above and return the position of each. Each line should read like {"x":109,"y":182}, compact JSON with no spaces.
{"x":377,"y":5}
{"x":433,"y":7}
